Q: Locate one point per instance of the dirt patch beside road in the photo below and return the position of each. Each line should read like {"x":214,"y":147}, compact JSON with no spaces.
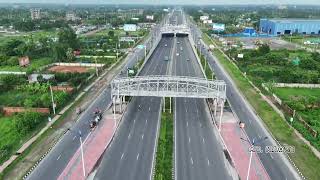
{"x":68,"y":69}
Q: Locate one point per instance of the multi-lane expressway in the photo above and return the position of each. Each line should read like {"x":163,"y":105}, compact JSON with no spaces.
{"x":131,"y":153}
{"x":199,"y":154}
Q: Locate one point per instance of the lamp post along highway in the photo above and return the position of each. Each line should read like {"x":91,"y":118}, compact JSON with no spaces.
{"x":252,"y":148}
{"x":95,"y":60}
{"x":81,"y":147}
{"x":52,"y":100}
{"x":141,"y":46}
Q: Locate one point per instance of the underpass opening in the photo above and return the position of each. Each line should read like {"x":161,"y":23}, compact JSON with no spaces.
{"x":167,"y":34}
{"x":182,"y":35}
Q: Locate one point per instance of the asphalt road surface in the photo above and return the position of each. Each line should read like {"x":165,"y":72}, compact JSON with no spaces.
{"x":276,"y":165}
{"x":131,"y":153}
{"x":199,"y":155}
{"x":55,"y":162}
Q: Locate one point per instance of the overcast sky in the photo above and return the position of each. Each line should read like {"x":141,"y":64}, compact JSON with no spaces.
{"x":317,"y":2}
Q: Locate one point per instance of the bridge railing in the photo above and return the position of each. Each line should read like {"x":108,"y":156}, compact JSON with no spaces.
{"x":169,"y":86}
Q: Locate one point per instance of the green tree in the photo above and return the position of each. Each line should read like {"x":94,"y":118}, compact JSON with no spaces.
{"x":264,"y":49}
{"x":10,"y":47}
{"x":111,"y":33}
{"x":59,"y":52}
{"x":70,"y":55}
{"x":69,"y":38}
{"x":26,"y":122}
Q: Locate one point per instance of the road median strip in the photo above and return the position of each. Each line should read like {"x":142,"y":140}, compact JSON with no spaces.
{"x":164,"y":154}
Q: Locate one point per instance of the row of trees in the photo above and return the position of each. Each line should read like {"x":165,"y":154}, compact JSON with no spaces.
{"x":44,"y":46}
{"x":277,"y":65}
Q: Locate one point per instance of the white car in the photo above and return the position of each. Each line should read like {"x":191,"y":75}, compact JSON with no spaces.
{"x":177,"y":54}
{"x":165,"y":45}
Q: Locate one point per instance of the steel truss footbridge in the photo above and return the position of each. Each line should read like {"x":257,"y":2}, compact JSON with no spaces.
{"x":168,"y":86}
{"x":175,"y":29}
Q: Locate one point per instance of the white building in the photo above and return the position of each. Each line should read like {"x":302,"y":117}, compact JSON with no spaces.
{"x":130,"y":27}
{"x":70,"y":16}
{"x":35,"y":14}
{"x":150,"y":17}
{"x":202,"y":18}
{"x":209,"y":21}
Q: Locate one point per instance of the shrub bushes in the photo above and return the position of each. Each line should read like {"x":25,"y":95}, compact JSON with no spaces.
{"x":73,"y":78}
{"x":27,"y":122}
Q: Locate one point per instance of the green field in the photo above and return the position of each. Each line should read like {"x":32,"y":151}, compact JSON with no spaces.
{"x":306,"y":102}
{"x":285,"y":93}
{"x":11,"y":138}
{"x":35,"y":64}
{"x":300,"y":40}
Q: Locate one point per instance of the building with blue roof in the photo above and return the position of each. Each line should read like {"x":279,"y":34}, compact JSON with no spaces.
{"x":290,"y":26}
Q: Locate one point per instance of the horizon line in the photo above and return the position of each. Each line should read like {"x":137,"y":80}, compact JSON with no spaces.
{"x":165,"y":4}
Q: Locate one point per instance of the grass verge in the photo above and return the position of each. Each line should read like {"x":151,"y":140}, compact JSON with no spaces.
{"x":206,"y":67}
{"x":163,"y":168}
{"x":303,"y":157}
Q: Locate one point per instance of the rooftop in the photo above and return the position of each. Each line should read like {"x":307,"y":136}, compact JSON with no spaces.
{"x":283,"y":20}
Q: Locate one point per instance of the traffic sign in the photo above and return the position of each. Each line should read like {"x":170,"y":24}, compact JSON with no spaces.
{"x":140,"y":46}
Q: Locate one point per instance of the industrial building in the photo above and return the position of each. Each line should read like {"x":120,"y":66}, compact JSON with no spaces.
{"x":290,"y":26}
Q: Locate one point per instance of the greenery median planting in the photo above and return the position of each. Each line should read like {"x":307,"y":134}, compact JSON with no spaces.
{"x":163,"y":168}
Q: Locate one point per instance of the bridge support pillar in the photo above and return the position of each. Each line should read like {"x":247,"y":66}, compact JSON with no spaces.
{"x":215,"y":107}
{"x":221,"y":113}
{"x":170,"y":104}
{"x":164,"y":104}
{"x":114,"y":107}
{"x":120,"y":101}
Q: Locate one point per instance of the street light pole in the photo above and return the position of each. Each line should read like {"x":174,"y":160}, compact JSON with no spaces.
{"x":145,"y":52}
{"x":250,"y":160}
{"x":117,"y":49}
{"x":52,"y":100}
{"x":95,"y":59}
{"x":83,"y":167}
{"x":251,"y":149}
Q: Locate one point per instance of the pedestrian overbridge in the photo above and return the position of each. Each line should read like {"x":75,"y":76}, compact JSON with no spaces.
{"x":172,"y":30}
{"x":169,"y":86}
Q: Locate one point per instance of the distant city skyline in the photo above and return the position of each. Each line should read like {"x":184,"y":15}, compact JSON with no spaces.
{"x":181,"y":2}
